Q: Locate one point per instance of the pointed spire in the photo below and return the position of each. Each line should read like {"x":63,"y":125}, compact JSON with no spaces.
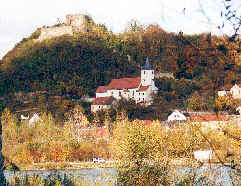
{"x":147,"y":60}
{"x":147,"y":65}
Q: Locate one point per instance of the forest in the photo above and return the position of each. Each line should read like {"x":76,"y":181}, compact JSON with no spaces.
{"x":74,"y":66}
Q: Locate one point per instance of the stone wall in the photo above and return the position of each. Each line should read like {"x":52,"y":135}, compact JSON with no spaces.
{"x":50,"y":32}
{"x":74,"y":23}
{"x":78,"y":22}
{"x":164,"y":74}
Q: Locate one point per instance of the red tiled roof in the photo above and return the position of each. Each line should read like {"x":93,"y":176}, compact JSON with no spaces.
{"x":208,"y":117}
{"x":100,"y":132}
{"x":124,"y":83}
{"x":147,"y":122}
{"x":101,"y":89}
{"x":143,"y":88}
{"x":103,"y":101}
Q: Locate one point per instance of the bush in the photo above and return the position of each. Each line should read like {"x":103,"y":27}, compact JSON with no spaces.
{"x":144,"y":174}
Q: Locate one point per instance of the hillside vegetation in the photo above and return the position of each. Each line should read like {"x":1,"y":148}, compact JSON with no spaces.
{"x":76,"y":65}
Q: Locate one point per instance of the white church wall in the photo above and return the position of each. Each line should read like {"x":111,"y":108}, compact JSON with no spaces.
{"x":102,"y":94}
{"x":147,"y":77}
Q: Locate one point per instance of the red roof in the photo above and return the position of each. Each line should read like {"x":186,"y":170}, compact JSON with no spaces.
{"x":124,"y":83}
{"x":103,"y":101}
{"x":147,"y":122}
{"x":143,"y":88}
{"x":101,"y":89}
{"x":208,"y":117}
{"x":100,"y":132}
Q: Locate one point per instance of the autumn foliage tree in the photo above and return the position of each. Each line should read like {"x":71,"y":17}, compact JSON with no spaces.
{"x":197,"y":102}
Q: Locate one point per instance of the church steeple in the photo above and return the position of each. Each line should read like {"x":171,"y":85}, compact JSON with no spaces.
{"x":147,"y":65}
{"x":147,"y":74}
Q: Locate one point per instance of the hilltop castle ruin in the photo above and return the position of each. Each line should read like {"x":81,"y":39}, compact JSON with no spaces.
{"x":74,"y":23}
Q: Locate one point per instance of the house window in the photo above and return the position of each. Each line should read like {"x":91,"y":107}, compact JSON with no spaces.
{"x":144,"y":71}
{"x":143,"y":94}
{"x":99,"y":107}
{"x":133,"y":93}
{"x":152,"y":72}
{"x":143,"y":99}
{"x":120,"y":93}
{"x":139,"y":93}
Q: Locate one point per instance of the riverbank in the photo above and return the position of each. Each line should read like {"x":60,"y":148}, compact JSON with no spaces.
{"x":46,"y":166}
{"x":66,"y":166}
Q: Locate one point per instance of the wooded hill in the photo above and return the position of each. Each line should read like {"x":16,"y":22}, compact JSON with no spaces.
{"x":76,"y":65}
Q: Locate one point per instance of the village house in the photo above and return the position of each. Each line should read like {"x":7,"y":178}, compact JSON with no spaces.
{"x":33,"y":120}
{"x":209,"y":121}
{"x":224,"y":91}
{"x":176,"y":115}
{"x":235,"y":91}
{"x":239,"y":110}
{"x":139,"y":89}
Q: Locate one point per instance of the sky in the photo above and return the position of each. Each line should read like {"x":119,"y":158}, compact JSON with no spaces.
{"x":18,"y":19}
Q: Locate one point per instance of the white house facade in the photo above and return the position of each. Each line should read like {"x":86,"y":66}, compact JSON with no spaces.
{"x":224,"y":91}
{"x":139,"y":89}
{"x":239,"y":110}
{"x":177,"y":116}
{"x":236,"y":91}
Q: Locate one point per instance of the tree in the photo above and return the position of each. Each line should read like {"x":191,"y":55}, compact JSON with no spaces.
{"x":77,"y":118}
{"x":227,"y":103}
{"x":135,"y":144}
{"x":232,"y":16}
{"x":197,"y":102}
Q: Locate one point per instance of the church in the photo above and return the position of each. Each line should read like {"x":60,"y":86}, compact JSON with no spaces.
{"x":139,"y":89}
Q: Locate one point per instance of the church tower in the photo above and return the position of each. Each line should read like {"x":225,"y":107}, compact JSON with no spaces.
{"x":147,"y":74}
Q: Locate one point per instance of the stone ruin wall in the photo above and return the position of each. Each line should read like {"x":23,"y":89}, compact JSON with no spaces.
{"x":74,"y":23}
{"x":55,"y":32}
{"x":78,"y":22}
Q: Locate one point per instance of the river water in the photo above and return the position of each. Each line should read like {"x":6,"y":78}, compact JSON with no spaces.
{"x":101,"y":176}
{"x":205,"y":175}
